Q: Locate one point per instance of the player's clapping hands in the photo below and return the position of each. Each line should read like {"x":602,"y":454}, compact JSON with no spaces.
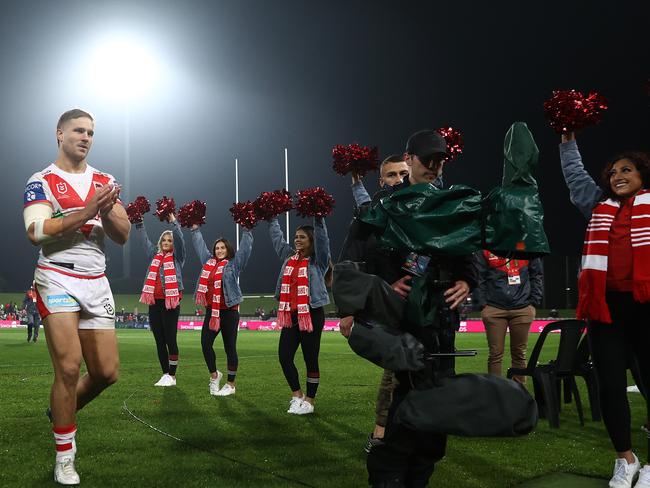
{"x":112,"y":198}
{"x":101,"y":201}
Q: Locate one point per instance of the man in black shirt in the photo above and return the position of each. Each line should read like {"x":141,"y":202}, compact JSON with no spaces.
{"x":407,"y":457}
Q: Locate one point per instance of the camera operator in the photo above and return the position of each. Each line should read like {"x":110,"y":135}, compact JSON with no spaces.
{"x":407,"y":457}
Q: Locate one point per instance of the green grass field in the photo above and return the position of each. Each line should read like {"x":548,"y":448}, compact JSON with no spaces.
{"x":249,"y":439}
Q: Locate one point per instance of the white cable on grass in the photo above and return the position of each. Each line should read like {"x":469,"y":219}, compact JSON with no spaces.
{"x":126,"y":408}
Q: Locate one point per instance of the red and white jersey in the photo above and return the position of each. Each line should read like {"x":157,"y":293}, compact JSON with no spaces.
{"x":77,"y":253}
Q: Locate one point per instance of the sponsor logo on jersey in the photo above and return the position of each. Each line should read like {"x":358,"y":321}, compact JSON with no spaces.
{"x":61,"y":301}
{"x":36,"y":185}
{"x":34,"y":192}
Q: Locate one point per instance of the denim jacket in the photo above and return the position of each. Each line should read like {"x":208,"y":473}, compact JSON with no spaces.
{"x":236,"y":265}
{"x":318,"y":264}
{"x":583,"y":190}
{"x":360,"y":194}
{"x":152,"y":250}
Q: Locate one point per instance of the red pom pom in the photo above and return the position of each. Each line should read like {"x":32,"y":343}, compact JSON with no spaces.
{"x":192,"y":213}
{"x":143,"y":204}
{"x":133,"y":213}
{"x":164,"y":207}
{"x":272,"y":203}
{"x":454,"y":140}
{"x":570,"y":110}
{"x":314,"y":202}
{"x":244,"y":214}
{"x":136,"y":209}
{"x":354,"y":157}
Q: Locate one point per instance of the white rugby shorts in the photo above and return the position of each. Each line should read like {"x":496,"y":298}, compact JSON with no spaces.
{"x":57,"y":292}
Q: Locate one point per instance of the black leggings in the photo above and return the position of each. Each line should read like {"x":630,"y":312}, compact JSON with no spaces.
{"x":290,"y":338}
{"x":614,"y":347}
{"x":164,"y":325}
{"x":229,"y":325}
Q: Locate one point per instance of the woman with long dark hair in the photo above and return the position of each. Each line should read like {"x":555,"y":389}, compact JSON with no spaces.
{"x":163,"y":291}
{"x":302,"y":293}
{"x":218,"y":290}
{"x":614,"y":287}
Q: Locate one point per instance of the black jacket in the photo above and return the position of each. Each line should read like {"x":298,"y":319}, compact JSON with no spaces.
{"x":494,"y":288}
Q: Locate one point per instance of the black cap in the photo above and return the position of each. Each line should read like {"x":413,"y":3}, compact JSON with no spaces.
{"x":425,"y":144}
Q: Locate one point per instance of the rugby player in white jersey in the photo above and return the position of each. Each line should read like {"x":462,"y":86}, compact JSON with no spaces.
{"x":69,"y":209}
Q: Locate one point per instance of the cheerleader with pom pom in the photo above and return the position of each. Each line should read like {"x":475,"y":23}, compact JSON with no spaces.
{"x":163,"y":288}
{"x":218,"y":290}
{"x":302,"y":293}
{"x":614,"y":288}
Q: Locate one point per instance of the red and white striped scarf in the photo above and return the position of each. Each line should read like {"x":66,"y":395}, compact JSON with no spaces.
{"x":202,"y":289}
{"x":170,"y":286}
{"x":592,"y":282}
{"x":302,"y":282}
{"x":217,"y":296}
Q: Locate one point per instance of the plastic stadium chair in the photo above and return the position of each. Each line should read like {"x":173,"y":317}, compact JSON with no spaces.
{"x":545,"y":376}
{"x":585,"y":368}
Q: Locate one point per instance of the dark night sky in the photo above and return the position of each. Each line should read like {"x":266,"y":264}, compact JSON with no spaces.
{"x":247,"y":78}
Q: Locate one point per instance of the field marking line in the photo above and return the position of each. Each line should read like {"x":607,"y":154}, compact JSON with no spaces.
{"x":126,"y":408}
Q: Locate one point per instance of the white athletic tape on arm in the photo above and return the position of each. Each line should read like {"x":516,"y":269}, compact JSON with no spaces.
{"x":37,"y":214}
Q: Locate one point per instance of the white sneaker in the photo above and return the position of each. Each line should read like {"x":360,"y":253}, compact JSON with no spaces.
{"x":227,"y":389}
{"x":295,"y":403}
{"x":166,"y":380}
{"x":163,"y":380}
{"x":304,"y":408}
{"x":633,"y":389}
{"x":64,"y":472}
{"x":624,"y":473}
{"x":215,"y":382}
{"x":644,"y":478}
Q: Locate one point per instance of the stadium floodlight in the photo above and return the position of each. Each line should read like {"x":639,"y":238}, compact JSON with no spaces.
{"x":122,"y":68}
